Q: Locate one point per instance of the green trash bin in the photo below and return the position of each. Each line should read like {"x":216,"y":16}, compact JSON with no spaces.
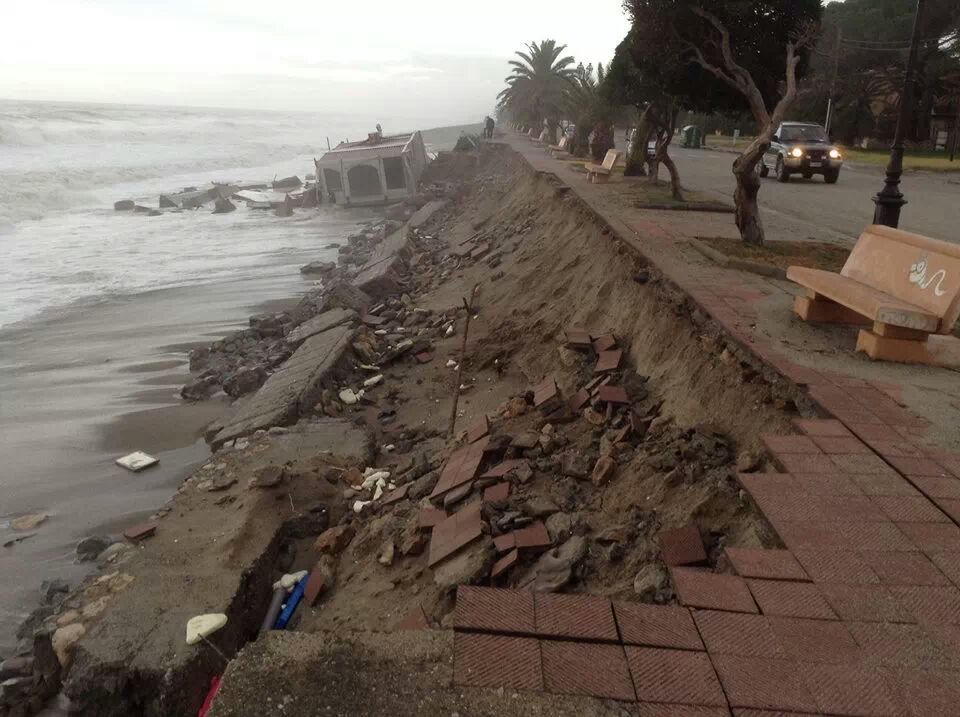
{"x":691,"y":136}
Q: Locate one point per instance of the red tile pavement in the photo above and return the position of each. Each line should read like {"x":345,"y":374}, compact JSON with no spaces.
{"x":586,"y":669}
{"x":497,"y":661}
{"x":878,"y":536}
{"x":934,"y":487}
{"x":924,"y":692}
{"x":825,"y":427}
{"x":850,"y":690}
{"x":904,"y":568}
{"x":505,"y":563}
{"x":763,"y":683}
{"x":812,"y":535}
{"x":770,"y":564}
{"x":840,"y":444}
{"x":656,"y":626}
{"x":948,"y":562}
{"x":836,"y":566}
{"x":678,"y":676}
{"x":805,"y":462}
{"x":731,"y":633}
{"x":865,"y":603}
{"x":577,"y":338}
{"x":824,"y":484}
{"x":862,"y":463}
{"x":909,"y":509}
{"x":827,"y":641}
{"x":701,"y":588}
{"x":900,"y":645}
{"x":930,"y":603}
{"x":931,"y":537}
{"x":883,"y":485}
{"x":576,"y":617}
{"x":790,"y":599}
{"x":682,"y":546}
{"x":506,"y":542}
{"x":911,"y":466}
{"x":789,"y":444}
{"x":652,"y":709}
{"x":494,"y":610}
{"x":460,"y":529}
{"x":478,"y":430}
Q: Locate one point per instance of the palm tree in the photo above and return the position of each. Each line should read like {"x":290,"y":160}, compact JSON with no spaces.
{"x":537,"y":88}
{"x":587,"y":105}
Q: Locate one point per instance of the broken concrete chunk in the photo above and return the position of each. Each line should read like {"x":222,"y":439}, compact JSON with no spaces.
{"x":136,"y":461}
{"x":555,"y":568}
{"x":267,"y":477}
{"x":603,"y":470}
{"x":201,"y":626}
{"x":348,"y":397}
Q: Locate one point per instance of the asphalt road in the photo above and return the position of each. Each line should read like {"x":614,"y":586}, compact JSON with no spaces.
{"x":809,"y":208}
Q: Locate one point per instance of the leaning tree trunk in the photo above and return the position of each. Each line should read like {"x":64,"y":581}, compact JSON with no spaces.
{"x":637,"y":151}
{"x":665,"y":158}
{"x":746,"y":207}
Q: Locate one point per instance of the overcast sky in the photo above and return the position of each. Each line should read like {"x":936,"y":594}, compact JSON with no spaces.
{"x":448,"y":58}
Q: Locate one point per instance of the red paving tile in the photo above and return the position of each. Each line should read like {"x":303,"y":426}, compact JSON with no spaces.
{"x":429,"y":517}
{"x":544,"y":391}
{"x":608,"y":361}
{"x":883,"y":485}
{"x":824,"y":484}
{"x":899,"y":645}
{"x":701,"y":588}
{"x":731,"y":633}
{"x":505,"y":563}
{"x":586,"y":669}
{"x":604,"y":343}
{"x":934,"y":487}
{"x":494,"y":610}
{"x":506,"y":542}
{"x":497,"y":493}
{"x":861,"y":463}
{"x":932,"y":537}
{"x":577,"y":338}
{"x":806,"y":462}
{"x":478,"y":430}
{"x":923,"y":692}
{"x":763,"y":683}
{"x":828,"y":427}
{"x":678,"y":676}
{"x":910,"y":509}
{"x":949,"y":506}
{"x":877,"y":536}
{"x":836,"y":566}
{"x":789,"y":444}
{"x":579,"y":400}
{"x":904,"y":568}
{"x":948,"y":563}
{"x":827,"y":641}
{"x":809,"y":535}
{"x":865,"y":603}
{"x":533,"y":537}
{"x":875,"y":432}
{"x":682,"y":546}
{"x":613,"y":394}
{"x":656,"y":626}
{"x":496,"y":661}
{"x":790,"y":599}
{"x":900,"y":448}
{"x":911,"y":466}
{"x":653,"y":709}
{"x":416,"y":619}
{"x":460,"y":529}
{"x":849,"y":690}
{"x":930,"y":603}
{"x":834,"y":444}
{"x":576,"y":617}
{"x":460,"y":468}
{"x":769,"y":564}
{"x":502,"y":468}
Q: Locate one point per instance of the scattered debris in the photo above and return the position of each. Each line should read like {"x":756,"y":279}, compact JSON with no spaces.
{"x":137,"y":461}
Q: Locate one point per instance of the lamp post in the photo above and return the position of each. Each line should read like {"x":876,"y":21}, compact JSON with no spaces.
{"x":890,"y":199}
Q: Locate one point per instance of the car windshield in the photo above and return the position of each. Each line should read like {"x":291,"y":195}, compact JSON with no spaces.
{"x":803,"y":133}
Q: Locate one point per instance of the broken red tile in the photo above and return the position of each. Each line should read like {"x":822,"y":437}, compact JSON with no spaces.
{"x":604,"y":343}
{"x":481,"y":660}
{"x":416,"y":619}
{"x":423,"y":357}
{"x":864,"y":603}
{"x":141,"y":531}
{"x":577,"y":338}
{"x":496,"y":493}
{"x":502,"y":468}
{"x":763,"y":683}
{"x":613,"y":394}
{"x":316,"y":583}
{"x":544,"y":391}
{"x":579,"y":400}
{"x":682,"y":546}
{"x":504,"y":563}
{"x":608,"y":361}
{"x":790,"y":599}
{"x":674,"y":676}
{"x":735,"y":633}
{"x":823,"y":641}
{"x":821,"y":427}
{"x":457,"y":531}
{"x":701,"y":588}
{"x":789,"y":444}
{"x":494,"y":610}
{"x":575,"y":617}
{"x":461,"y":467}
{"x":428,"y":517}
{"x":582,"y":668}
{"x":505,"y":542}
{"x":656,"y":626}
{"x":478,"y":430}
{"x":396,"y":495}
{"x":768,"y":564}
{"x":533,"y":537}
{"x":836,"y":566}
{"x":849,"y":690}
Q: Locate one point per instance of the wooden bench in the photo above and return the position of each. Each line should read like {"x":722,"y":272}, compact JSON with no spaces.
{"x":560,"y":148}
{"x":542,"y":138}
{"x":906,"y":287}
{"x":600,"y":173}
{"x":532,"y":134}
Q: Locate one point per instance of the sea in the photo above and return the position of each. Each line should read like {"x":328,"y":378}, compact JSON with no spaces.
{"x":99,"y":308}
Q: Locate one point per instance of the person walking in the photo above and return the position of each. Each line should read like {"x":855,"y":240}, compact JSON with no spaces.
{"x":488,"y":125}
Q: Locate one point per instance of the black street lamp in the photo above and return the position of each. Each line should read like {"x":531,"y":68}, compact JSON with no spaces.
{"x":889,"y":200}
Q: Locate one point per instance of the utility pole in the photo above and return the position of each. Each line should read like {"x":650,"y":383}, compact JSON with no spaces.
{"x":890,"y":199}
{"x":956,"y":129}
{"x":833,"y":83}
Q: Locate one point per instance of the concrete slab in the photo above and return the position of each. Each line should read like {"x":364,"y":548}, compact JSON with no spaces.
{"x":292,"y":390}
{"x":320,"y":323}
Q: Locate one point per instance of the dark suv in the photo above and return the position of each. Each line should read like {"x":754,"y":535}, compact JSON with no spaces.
{"x":801,"y":148}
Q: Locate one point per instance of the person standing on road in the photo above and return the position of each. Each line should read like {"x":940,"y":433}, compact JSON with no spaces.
{"x":488,"y":125}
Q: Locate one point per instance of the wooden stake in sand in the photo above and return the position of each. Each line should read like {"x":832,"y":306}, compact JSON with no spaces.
{"x":463,"y":353}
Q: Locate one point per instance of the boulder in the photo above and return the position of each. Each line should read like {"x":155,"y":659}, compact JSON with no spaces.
{"x":199,"y":389}
{"x":268,"y":324}
{"x":651,"y":583}
{"x":555,"y":568}
{"x":124,"y":205}
{"x":90,"y":547}
{"x":65,"y":639}
{"x":574,"y":464}
{"x":243,"y":381}
{"x":318,"y":267}
{"x":267,"y":477}
{"x":540,"y":507}
{"x":603,"y":470}
{"x":467,"y":566}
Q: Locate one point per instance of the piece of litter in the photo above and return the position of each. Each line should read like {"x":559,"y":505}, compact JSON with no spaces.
{"x":137,"y":461}
{"x":348,"y":396}
{"x":373,"y":380}
{"x":289,"y":581}
{"x":359,"y":505}
{"x":202,"y":626}
{"x":451,"y":363}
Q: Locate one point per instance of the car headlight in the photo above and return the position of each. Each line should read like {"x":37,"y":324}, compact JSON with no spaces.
{"x":834,"y":154}
{"x":796,"y":152}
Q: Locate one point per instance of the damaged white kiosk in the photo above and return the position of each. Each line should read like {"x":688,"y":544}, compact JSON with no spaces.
{"x":377,"y":170}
